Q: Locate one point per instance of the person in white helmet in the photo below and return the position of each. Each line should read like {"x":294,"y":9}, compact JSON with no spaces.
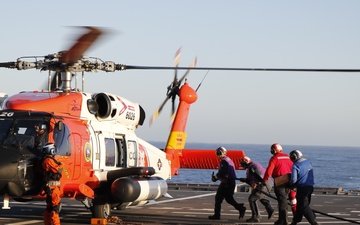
{"x":302,"y":177}
{"x":254,"y":178}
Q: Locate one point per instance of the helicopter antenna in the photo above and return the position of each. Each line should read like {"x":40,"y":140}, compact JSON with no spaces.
{"x":202,"y":81}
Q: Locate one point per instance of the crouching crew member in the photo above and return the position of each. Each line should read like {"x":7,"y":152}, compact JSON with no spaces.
{"x":254,"y":177}
{"x":52,"y":173}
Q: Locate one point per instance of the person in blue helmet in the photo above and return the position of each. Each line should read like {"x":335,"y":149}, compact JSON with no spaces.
{"x":302,"y":178}
{"x":226,"y":175}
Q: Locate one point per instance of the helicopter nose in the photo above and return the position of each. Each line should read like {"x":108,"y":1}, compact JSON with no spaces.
{"x":17,"y":173}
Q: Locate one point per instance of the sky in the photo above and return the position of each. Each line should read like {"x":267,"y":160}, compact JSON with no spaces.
{"x":297,"y":108}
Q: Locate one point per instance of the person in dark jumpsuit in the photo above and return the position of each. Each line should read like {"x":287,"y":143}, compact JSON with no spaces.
{"x":302,"y":177}
{"x":226,"y":175}
{"x":254,"y":178}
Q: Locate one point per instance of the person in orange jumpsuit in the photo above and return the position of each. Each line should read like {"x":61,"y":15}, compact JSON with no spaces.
{"x":52,"y":174}
{"x":41,"y":134}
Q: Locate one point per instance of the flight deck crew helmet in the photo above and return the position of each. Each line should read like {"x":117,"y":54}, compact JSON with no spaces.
{"x":41,"y":125}
{"x":49,"y":149}
{"x":295,"y":155}
{"x":220,"y":151}
{"x":275,"y":148}
{"x":245,"y":161}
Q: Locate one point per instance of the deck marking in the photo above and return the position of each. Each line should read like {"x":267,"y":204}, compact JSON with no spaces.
{"x":186,"y":198}
{"x":26,"y":222}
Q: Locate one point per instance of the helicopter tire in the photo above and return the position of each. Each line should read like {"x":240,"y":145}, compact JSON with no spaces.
{"x":101,"y":209}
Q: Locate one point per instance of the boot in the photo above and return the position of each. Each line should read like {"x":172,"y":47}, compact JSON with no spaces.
{"x":253,"y":220}
{"x":283,"y":220}
{"x":214,"y":217}
{"x":255,"y":215}
{"x":269,"y":209}
{"x":271,"y":213}
{"x":241,"y":210}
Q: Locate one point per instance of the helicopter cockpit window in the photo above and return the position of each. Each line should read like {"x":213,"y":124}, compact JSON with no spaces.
{"x":110,"y":152}
{"x":5,"y":125}
{"x":22,"y":133}
{"x":62,"y":139}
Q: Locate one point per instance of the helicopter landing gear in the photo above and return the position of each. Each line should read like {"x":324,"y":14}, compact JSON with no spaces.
{"x":100,"y":208}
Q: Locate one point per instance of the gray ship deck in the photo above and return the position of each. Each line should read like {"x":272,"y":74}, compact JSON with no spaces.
{"x":192,"y":204}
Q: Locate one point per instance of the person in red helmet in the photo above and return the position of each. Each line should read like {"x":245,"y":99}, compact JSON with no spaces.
{"x":226,"y":174}
{"x":52,"y":173}
{"x":279,"y":168}
{"x":254,"y":178}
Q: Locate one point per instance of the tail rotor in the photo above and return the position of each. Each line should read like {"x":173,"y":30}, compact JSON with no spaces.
{"x":173,"y":88}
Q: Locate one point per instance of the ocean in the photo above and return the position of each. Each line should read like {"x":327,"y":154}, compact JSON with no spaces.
{"x":334,"y":166}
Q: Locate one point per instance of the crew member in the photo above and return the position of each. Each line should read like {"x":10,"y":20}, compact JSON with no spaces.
{"x":302,"y":177}
{"x":41,"y":133}
{"x":52,"y":174}
{"x":254,"y":177}
{"x":226,"y":175}
{"x":279,"y":168}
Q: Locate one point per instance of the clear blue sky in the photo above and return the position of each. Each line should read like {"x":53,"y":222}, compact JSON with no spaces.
{"x":233,"y":107}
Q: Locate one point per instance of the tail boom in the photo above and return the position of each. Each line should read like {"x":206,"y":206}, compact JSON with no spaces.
{"x":177,"y":138}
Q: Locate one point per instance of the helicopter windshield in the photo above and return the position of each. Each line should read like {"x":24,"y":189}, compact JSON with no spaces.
{"x":4,"y":128}
{"x":20,"y":132}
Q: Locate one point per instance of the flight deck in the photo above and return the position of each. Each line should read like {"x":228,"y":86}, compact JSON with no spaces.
{"x":191,"y":204}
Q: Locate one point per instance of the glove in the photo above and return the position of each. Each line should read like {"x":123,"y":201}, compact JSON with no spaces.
{"x":243,"y":180}
{"x":213,"y":177}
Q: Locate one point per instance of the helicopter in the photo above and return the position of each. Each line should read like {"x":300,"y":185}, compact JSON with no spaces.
{"x":105,"y":164}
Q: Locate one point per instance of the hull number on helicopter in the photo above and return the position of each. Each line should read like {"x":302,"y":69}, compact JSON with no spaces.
{"x":6,"y":114}
{"x":130,"y":116}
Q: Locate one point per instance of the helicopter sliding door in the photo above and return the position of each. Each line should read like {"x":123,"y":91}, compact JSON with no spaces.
{"x":112,"y":150}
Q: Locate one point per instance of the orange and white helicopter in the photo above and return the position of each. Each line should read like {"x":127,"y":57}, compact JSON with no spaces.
{"x":106,"y":165}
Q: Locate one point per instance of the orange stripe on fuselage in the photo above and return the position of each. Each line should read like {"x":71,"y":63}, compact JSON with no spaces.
{"x":52,"y":102}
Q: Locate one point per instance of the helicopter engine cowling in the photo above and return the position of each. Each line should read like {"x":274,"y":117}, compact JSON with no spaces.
{"x":110,"y":107}
{"x":138,"y":189}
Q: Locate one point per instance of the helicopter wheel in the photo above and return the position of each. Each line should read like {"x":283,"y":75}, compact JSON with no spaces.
{"x":101,"y":209}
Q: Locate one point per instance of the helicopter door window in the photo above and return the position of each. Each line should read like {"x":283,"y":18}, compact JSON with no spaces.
{"x":62,"y":140}
{"x":132,"y":153}
{"x":110,"y":152}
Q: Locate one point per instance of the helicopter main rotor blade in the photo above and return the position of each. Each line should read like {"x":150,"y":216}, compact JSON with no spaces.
{"x":80,"y":46}
{"x":128,"y":67}
{"x":11,"y":65}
